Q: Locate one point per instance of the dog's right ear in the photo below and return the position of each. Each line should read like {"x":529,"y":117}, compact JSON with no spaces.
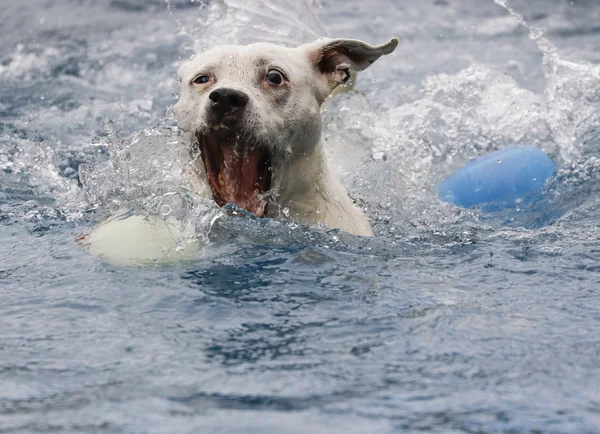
{"x":337,"y":58}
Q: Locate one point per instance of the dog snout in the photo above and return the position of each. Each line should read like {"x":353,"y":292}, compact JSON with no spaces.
{"x":225,"y":101}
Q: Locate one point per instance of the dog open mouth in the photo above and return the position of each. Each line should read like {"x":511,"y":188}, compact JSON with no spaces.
{"x":238,"y":170}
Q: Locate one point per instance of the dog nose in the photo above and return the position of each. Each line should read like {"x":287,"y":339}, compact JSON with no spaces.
{"x":227,"y":101}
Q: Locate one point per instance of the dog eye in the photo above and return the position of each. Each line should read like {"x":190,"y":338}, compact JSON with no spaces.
{"x":201,"y":79}
{"x":275,"y":77}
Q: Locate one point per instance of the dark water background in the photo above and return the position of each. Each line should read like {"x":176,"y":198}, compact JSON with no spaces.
{"x":447,"y":321}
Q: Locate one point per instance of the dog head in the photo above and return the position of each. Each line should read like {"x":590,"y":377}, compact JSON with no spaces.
{"x":254,"y":110}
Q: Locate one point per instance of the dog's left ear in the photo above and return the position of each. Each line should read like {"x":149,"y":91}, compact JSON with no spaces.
{"x":338,"y":57}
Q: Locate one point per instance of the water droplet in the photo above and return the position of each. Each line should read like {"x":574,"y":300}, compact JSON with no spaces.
{"x":498,"y":161}
{"x":165,"y":210}
{"x":318,"y":211}
{"x":43,"y":96}
{"x":286,"y":212}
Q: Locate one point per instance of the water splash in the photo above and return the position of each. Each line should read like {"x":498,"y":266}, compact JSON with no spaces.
{"x":571,"y":93}
{"x":391,"y":157}
{"x":410,"y":148}
{"x":284,"y":22}
{"x":147,"y":172}
{"x":402,"y":152}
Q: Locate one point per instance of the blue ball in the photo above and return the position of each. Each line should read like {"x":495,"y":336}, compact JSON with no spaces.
{"x":498,"y":180}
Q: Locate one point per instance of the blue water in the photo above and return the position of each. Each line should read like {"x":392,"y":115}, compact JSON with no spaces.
{"x":447,"y":321}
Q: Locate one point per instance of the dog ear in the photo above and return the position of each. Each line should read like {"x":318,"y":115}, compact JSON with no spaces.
{"x":337,"y":58}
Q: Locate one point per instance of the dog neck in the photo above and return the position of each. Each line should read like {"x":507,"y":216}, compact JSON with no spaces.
{"x":309,"y":192}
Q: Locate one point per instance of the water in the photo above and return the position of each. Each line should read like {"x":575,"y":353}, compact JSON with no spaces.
{"x":445,"y":321}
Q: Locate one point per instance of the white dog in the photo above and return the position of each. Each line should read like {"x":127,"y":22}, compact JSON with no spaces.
{"x":253,"y":117}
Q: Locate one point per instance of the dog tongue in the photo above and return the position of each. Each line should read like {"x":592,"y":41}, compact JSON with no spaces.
{"x":237,"y":173}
